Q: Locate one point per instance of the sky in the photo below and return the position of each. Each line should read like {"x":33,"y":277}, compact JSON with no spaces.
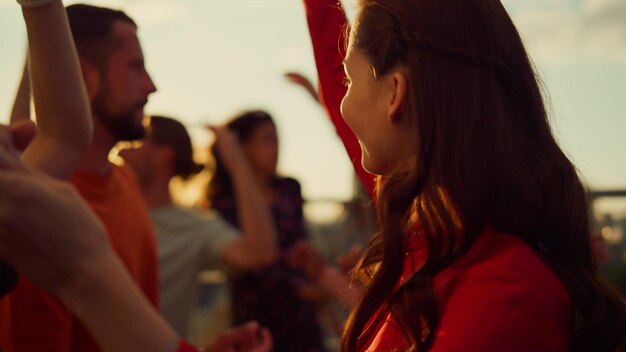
{"x":213,"y":58}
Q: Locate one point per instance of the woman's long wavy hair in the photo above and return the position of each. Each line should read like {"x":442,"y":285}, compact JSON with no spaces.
{"x":485,"y":157}
{"x":243,"y":125}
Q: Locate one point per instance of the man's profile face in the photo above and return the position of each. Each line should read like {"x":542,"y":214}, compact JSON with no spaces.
{"x":124,"y":87}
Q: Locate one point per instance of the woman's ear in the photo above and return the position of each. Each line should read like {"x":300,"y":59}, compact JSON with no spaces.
{"x":397,"y":100}
{"x":91,"y":77}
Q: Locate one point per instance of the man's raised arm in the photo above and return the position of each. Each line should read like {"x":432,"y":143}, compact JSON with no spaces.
{"x":61,"y":104}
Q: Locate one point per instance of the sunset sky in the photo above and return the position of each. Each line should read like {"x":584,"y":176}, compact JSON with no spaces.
{"x":213,"y":58}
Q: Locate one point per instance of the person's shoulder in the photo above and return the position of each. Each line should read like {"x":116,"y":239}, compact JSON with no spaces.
{"x":501,"y":296}
{"x":499,"y":251}
{"x":508,"y":264}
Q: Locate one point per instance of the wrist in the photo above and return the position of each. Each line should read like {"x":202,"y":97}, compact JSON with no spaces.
{"x":240,"y":171}
{"x":35,"y":3}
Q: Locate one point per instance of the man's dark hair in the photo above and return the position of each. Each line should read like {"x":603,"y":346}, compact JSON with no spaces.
{"x":92,"y":29}
{"x":169,"y":132}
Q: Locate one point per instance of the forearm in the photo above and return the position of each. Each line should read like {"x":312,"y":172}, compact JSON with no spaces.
{"x":61,"y":103}
{"x":257,"y":225}
{"x":110,"y":305}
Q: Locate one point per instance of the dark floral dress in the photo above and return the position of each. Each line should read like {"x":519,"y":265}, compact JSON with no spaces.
{"x":269,"y":296}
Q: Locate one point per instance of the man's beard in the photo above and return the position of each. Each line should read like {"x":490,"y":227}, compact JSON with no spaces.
{"x":122,"y":126}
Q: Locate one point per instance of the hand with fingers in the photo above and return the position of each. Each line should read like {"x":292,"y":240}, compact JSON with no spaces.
{"x":306,"y":258}
{"x":249,"y":337}
{"x":335,"y":283}
{"x":228,"y":148}
{"x":302,"y":81}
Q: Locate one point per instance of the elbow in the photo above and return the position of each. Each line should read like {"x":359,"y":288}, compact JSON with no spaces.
{"x":266,"y":252}
{"x":79,"y":137}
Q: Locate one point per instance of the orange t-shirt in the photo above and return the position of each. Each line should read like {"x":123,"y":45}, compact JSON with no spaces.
{"x":32,"y":320}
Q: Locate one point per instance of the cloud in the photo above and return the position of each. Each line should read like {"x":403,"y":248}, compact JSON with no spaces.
{"x":561,"y":31}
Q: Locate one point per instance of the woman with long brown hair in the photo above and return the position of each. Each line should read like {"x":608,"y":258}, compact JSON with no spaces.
{"x":272,"y":294}
{"x":484,"y":237}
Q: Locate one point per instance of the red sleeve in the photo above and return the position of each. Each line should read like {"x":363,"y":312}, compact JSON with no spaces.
{"x":326,"y":20}
{"x":38,"y":321}
{"x":183,"y":346}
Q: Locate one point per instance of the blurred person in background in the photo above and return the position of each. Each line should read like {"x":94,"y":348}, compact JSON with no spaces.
{"x":273,"y":296}
{"x":193,"y":240}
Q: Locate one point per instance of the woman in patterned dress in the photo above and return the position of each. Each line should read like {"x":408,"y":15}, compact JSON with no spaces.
{"x":269,"y":295}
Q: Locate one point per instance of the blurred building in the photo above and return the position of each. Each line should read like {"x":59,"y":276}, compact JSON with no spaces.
{"x":609,"y":229}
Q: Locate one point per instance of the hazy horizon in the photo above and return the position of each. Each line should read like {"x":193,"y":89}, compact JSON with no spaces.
{"x":211,"y":59}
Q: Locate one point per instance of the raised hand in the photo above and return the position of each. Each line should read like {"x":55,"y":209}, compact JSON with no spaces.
{"x":228,"y":148}
{"x":299,"y":79}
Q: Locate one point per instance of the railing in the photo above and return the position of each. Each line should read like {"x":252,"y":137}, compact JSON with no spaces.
{"x":593,"y":195}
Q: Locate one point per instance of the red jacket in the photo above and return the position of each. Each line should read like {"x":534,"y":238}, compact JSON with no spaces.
{"x":499,"y":297}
